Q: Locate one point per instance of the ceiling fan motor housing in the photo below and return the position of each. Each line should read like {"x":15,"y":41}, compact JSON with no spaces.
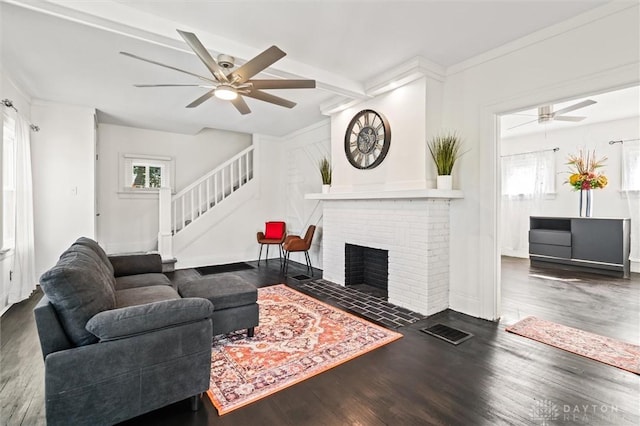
{"x":226,"y":61}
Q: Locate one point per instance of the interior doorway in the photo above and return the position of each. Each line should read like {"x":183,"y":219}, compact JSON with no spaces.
{"x":535,"y":145}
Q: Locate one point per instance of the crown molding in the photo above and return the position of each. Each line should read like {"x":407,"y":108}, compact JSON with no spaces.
{"x":404,"y":73}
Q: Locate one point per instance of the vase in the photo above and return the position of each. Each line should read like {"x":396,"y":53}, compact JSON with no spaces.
{"x":444,"y":182}
{"x":586,"y":202}
{"x":326,"y":189}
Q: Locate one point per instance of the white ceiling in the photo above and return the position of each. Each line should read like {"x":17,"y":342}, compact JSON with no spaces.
{"x":67,"y":52}
{"x":614,"y":105}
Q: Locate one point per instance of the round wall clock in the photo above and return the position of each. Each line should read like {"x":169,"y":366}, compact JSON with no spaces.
{"x":367,"y":139}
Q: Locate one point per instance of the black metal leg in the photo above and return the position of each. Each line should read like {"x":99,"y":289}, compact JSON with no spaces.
{"x":250,"y":332}
{"x":286,"y":262}
{"x":307,"y":258}
{"x":260,"y":254}
{"x":267,"y":258}
{"x":280,"y":252}
{"x":195,"y":402}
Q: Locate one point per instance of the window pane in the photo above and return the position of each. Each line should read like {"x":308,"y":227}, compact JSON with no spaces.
{"x":155,"y":177}
{"x":139,"y":176}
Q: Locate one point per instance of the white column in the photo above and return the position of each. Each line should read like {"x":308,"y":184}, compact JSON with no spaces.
{"x":165,"y":239}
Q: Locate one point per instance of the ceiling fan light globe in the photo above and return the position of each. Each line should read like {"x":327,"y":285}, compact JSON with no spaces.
{"x":226,"y":93}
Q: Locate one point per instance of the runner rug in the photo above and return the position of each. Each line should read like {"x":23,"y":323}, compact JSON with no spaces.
{"x":298,"y":337}
{"x":604,"y":349}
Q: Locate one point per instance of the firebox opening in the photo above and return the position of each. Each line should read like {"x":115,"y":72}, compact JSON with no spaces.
{"x":367,"y":269}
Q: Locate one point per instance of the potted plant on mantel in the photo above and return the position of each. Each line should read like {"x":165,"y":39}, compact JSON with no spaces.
{"x":325,"y":171}
{"x":445,"y":151}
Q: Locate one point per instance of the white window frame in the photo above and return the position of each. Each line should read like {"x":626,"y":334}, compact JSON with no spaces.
{"x":125,"y":173}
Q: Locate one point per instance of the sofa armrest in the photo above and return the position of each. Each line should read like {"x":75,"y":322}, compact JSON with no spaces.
{"x":133,"y":264}
{"x":134,"y":320}
{"x":50,"y":331}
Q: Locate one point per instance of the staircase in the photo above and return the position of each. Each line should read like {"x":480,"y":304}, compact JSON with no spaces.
{"x":179,"y":212}
{"x":204,"y":194}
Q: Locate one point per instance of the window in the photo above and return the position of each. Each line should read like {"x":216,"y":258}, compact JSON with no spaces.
{"x":146,"y":175}
{"x":8,"y":182}
{"x":528,"y":174}
{"x":142,"y":175}
{"x":631,"y":166}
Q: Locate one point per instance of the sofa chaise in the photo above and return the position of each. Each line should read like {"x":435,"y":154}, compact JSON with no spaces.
{"x":117,"y":339}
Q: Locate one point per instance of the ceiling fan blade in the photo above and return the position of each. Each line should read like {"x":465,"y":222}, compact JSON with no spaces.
{"x":568,"y":118}
{"x":241,"y":105}
{"x":574,"y":107}
{"x":283,"y":84}
{"x":166,"y":66}
{"x":257,"y":64}
{"x":267,"y":97}
{"x":201,"y":99}
{"x":170,"y":85}
{"x":204,"y":55}
{"x":522,"y":124}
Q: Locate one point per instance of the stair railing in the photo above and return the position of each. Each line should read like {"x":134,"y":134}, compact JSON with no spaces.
{"x":211,"y":189}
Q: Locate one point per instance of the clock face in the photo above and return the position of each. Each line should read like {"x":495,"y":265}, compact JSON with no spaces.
{"x":367,"y":139}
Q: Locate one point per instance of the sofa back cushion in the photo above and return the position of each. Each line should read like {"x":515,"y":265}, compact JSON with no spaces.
{"x":93,"y":245}
{"x":78,"y":288}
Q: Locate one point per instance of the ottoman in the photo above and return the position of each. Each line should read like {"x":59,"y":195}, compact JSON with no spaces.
{"x":234,"y":301}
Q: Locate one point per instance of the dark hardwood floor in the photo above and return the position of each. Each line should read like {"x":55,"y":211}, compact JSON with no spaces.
{"x":494,"y":378}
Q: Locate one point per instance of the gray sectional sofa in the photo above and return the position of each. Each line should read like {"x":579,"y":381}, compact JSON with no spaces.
{"x":117,"y":339}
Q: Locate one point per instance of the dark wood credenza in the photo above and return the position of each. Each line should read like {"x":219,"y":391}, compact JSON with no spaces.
{"x":599,"y":245}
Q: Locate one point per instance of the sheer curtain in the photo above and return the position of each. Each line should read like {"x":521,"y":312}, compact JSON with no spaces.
{"x":526,"y":178}
{"x":631,"y":189}
{"x":24,"y":274}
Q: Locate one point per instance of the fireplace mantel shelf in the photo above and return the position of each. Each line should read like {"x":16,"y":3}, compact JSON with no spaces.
{"x":389,"y":195}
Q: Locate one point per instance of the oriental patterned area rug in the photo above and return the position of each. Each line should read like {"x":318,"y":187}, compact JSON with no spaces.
{"x":298,"y":337}
{"x":604,"y":349}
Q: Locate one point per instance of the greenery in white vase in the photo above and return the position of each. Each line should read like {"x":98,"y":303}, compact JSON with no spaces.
{"x":445,"y":151}
{"x":325,"y":171}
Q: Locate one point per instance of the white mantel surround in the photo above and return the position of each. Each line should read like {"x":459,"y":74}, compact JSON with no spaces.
{"x":413,"y":225}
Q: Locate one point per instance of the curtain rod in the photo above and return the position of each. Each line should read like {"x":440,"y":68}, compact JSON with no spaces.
{"x":9,"y":104}
{"x":623,"y":141}
{"x":532,"y":152}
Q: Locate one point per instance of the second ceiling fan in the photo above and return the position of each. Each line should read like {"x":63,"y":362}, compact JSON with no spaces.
{"x":233,"y":85}
{"x":546,"y":113}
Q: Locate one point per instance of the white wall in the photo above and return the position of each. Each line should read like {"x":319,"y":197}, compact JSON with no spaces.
{"x":405,"y":166}
{"x":302,"y":151}
{"x":228,"y":233}
{"x":131,"y":224}
{"x":8,"y":90}
{"x":592,"y":53}
{"x":63,"y":161}
{"x":607,"y":202}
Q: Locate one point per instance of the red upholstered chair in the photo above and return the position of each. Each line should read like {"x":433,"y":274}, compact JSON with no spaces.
{"x":293,"y":243}
{"x":274,"y":233}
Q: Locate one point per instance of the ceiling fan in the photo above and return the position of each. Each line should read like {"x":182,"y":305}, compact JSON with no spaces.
{"x":233,"y":85}
{"x":546,"y":113}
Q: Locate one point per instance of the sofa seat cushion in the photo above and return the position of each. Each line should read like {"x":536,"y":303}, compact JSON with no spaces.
{"x":141,"y":280}
{"x":78,"y":289}
{"x":142,"y":295}
{"x":224,"y":291}
{"x":134,"y":320}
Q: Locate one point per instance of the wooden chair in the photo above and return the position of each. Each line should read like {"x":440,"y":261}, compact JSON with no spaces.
{"x":274,"y":233}
{"x":293,"y":243}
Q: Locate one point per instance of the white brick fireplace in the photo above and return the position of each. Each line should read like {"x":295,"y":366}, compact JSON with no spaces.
{"x":412,"y":225}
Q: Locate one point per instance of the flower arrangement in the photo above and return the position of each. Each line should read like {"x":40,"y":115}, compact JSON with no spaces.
{"x":584,"y":171}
